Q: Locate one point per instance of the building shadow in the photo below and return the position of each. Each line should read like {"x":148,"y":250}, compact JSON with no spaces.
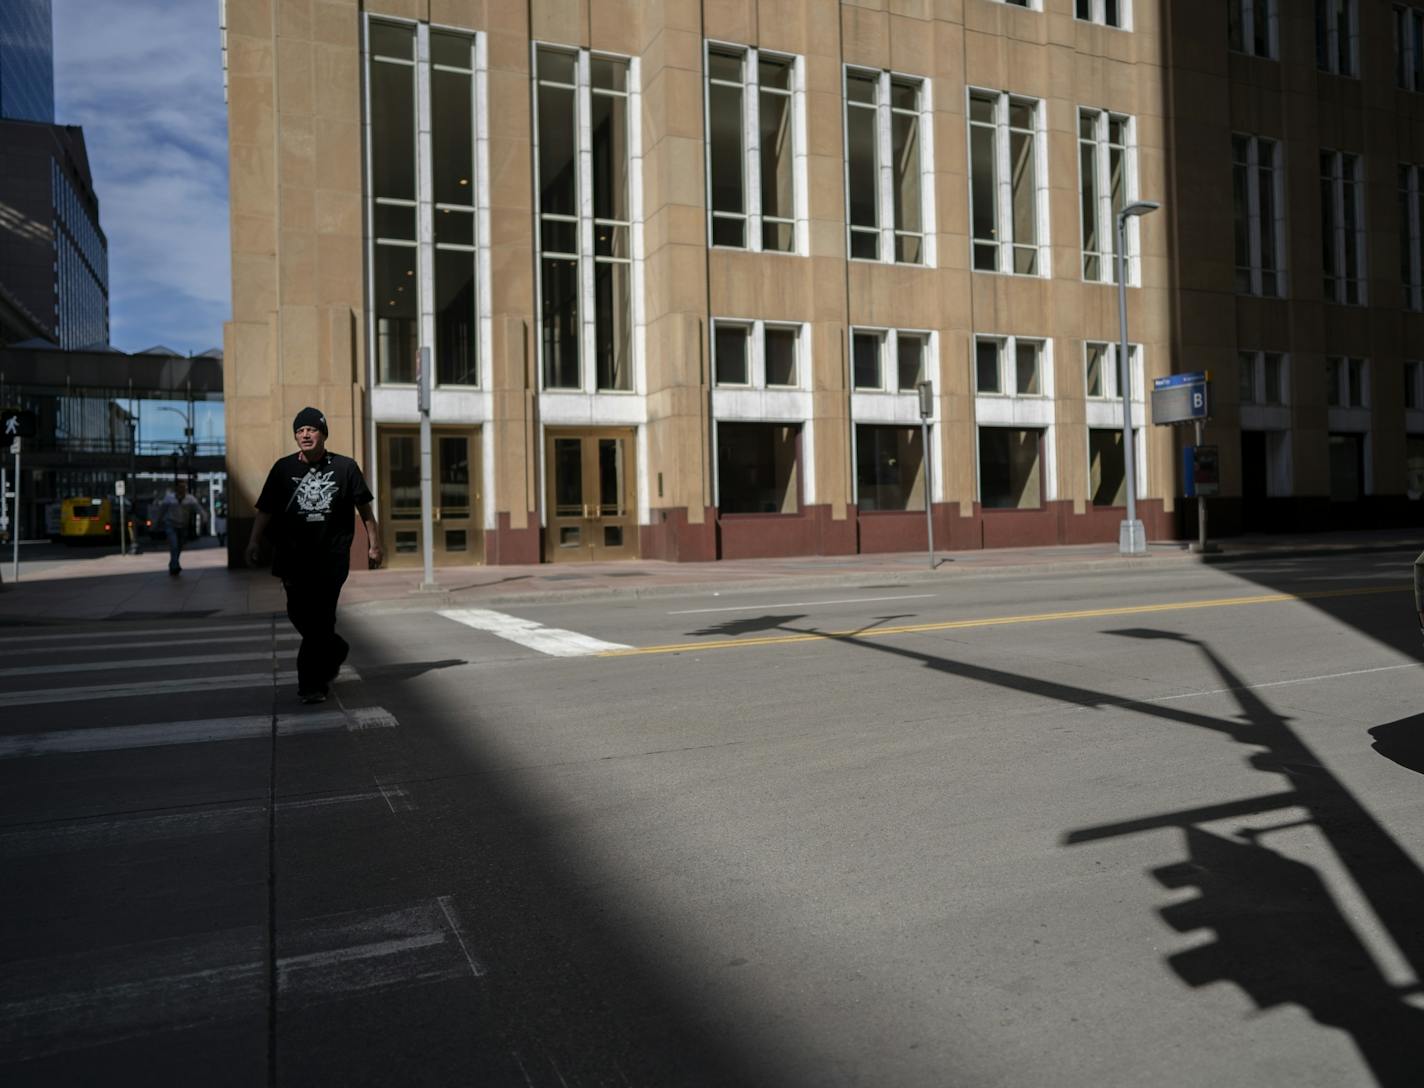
{"x":1402,"y":742}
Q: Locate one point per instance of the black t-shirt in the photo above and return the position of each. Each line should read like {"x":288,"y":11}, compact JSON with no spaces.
{"x":313,"y":508}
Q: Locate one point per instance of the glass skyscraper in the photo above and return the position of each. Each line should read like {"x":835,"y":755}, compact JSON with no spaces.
{"x":27,"y":61}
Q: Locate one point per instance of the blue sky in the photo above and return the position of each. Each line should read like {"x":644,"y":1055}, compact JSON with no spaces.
{"x":144,"y":78}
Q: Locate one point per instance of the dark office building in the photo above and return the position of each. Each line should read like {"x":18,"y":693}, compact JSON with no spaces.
{"x":27,"y":61}
{"x":54,"y":259}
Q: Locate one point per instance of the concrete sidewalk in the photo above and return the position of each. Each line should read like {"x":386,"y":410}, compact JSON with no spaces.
{"x":127,"y":587}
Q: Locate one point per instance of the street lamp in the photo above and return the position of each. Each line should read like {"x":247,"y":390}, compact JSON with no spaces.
{"x":1132,"y":538}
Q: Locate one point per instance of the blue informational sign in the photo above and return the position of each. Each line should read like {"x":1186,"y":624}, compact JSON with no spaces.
{"x":1181,"y":398}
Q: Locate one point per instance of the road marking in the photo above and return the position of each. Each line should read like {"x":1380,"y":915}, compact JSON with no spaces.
{"x":283,"y":636}
{"x":40,"y":696}
{"x":88,"y":632}
{"x":157,"y":987}
{"x":1282,"y":683}
{"x":803,"y":604}
{"x":1000,"y":621}
{"x":135,"y":663}
{"x":116,"y":738}
{"x":547,"y":640}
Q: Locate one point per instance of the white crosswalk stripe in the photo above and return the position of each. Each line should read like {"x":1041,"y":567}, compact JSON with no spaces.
{"x":553,"y":641}
{"x":161,"y":734}
{"x":42,"y":696}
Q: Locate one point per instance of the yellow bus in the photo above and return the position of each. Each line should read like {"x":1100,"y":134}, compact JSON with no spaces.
{"x":83,"y":519}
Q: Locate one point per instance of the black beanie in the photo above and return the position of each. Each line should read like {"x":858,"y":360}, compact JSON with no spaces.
{"x":310,"y":417}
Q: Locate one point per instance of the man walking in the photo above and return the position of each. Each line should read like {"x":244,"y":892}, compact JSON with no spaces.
{"x":309,"y":503}
{"x":174,"y":516}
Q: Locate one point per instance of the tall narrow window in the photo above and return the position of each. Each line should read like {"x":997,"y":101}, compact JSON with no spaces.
{"x":888,"y":203}
{"x":1251,"y":27}
{"x":395,"y":254}
{"x":1408,"y":48}
{"x":1259,"y":212}
{"x":1106,"y":12}
{"x":1013,"y":366}
{"x":1107,"y":181}
{"x":1342,"y":226}
{"x":585,"y":241}
{"x":1102,"y":375}
{"x":1336,"y":27}
{"x":452,"y":97}
{"x":1411,"y":236}
{"x":754,"y":182}
{"x":1008,"y":194}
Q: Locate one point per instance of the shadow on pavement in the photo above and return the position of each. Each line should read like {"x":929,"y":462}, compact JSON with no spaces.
{"x":1402,"y":742}
{"x":1279,"y":934}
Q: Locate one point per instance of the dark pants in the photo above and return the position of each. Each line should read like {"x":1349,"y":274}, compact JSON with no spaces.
{"x":175,"y":546}
{"x":311,"y":606}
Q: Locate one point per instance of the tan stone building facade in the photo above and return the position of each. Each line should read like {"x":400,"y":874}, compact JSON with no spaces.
{"x":683,"y":266}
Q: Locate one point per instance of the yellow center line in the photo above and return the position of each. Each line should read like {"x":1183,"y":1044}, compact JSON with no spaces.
{"x":1001,"y":621}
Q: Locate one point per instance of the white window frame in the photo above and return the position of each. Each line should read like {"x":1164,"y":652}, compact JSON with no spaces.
{"x":1256,"y":270}
{"x":884,"y":168}
{"x":1026,"y":5}
{"x":1020,"y":411}
{"x":588,"y":403}
{"x":1331,"y":42}
{"x":1103,"y":411}
{"x":751,"y":148}
{"x":1409,"y":48}
{"x":1414,"y":380}
{"x":893,"y":405}
{"x":1345,"y":365}
{"x":1097,"y":14}
{"x":1411,"y":235}
{"x":1107,"y":227}
{"x":756,"y":402}
{"x":1253,"y":365}
{"x":1251,"y":11}
{"x":1003,"y":183}
{"x":1339,"y":278}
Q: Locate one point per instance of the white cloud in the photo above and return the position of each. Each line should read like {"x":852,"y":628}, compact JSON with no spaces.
{"x":144,"y":78}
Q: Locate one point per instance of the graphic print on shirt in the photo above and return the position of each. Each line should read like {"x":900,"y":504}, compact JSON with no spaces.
{"x":314,"y":493}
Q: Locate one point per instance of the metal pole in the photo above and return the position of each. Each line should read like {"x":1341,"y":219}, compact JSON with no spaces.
{"x":1201,"y":500}
{"x":427,"y":496}
{"x":15,"y":530}
{"x":123,"y":547}
{"x":1132,"y":538}
{"x":929,"y":486}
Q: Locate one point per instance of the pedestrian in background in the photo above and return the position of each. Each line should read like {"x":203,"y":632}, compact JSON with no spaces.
{"x":175,"y":514}
{"x":308,"y":509}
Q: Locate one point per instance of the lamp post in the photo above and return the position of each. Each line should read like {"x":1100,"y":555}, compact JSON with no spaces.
{"x":1132,"y":538}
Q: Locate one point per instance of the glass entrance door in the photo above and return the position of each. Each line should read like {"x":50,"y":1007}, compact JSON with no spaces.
{"x":591,"y":504}
{"x":456,"y":518}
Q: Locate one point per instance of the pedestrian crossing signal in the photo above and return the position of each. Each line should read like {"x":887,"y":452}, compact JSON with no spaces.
{"x":17,"y":424}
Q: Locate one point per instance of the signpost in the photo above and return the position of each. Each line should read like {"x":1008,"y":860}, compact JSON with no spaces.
{"x":16,"y":424}
{"x":926,"y":391}
{"x":119,"y":489}
{"x":427,"y":499}
{"x":1186,"y":398}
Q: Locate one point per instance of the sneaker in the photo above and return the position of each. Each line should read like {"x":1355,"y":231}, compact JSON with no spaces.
{"x":316,"y":695}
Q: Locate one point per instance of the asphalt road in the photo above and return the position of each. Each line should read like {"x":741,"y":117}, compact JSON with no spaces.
{"x":1099,"y":829}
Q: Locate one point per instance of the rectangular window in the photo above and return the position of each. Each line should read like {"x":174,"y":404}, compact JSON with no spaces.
{"x":1251,"y":27}
{"x":889,"y":467}
{"x":756,"y":354}
{"x":1010,"y":468}
{"x":1346,"y":382}
{"x":1408,"y":48}
{"x":1101,"y":379}
{"x":1411,"y":237}
{"x":1336,"y":28}
{"x":585,"y":241}
{"x":1262,"y":377}
{"x":1009,"y":365}
{"x":1107,"y":182}
{"x":887,"y":199}
{"x":1342,"y":226}
{"x":910,"y":351}
{"x":1259,"y":206}
{"x":392,"y":191}
{"x":1105,"y":12}
{"x":757,"y":468}
{"x":452,"y":95}
{"x":1413,"y":384}
{"x":1107,"y":470}
{"x":752,"y":92}
{"x":1007,"y":190}
{"x":866,"y":351}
